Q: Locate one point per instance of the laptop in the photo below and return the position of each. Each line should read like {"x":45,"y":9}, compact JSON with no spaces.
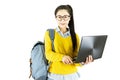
{"x":91,"y":45}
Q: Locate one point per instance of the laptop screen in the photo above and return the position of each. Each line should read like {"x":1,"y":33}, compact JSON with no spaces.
{"x":91,"y":45}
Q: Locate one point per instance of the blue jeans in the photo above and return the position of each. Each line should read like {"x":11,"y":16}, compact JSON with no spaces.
{"x":73,"y":76}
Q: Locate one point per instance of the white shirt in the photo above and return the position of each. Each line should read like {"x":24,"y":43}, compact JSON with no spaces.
{"x":66,"y":34}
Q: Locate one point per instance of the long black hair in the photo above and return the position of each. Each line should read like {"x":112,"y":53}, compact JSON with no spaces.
{"x":71,"y":23}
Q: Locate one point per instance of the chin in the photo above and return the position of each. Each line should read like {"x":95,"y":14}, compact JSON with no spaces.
{"x":62,"y":25}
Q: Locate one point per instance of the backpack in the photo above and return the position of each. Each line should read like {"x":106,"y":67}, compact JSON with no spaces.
{"x":38,"y":62}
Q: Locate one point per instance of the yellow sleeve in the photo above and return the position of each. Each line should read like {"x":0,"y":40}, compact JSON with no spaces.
{"x":51,"y":55}
{"x":78,"y":64}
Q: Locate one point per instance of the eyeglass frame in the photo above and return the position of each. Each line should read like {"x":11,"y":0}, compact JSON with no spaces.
{"x":63,"y":17}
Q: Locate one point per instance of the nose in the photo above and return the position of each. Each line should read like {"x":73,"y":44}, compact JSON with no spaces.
{"x":62,"y":20}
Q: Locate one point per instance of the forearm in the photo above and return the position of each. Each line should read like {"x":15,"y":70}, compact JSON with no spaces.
{"x":53,"y":56}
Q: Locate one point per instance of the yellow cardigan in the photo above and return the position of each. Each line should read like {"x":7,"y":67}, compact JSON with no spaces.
{"x":63,"y":46}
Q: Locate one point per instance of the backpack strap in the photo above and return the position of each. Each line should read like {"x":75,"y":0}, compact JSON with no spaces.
{"x":52,"y":36}
{"x":39,"y":42}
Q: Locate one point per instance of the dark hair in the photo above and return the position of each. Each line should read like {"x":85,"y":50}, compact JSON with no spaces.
{"x":71,"y":23}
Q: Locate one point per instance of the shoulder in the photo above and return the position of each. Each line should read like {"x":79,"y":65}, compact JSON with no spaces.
{"x":78,"y":38}
{"x":77,"y":35}
{"x":48,"y":31}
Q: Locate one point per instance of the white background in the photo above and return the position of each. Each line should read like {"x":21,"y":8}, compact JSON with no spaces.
{"x":23,"y":22}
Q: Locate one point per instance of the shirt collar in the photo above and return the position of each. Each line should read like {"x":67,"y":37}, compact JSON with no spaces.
{"x":65,"y":34}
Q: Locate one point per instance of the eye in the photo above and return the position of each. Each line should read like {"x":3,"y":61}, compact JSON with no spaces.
{"x":66,"y":16}
{"x":58,"y":16}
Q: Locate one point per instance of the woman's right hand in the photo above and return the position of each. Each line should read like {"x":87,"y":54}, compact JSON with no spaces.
{"x":67,"y":60}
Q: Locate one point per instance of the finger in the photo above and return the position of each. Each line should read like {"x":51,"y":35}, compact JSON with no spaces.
{"x":67,"y":61}
{"x":64,"y":61}
{"x":91,"y":58}
{"x":70,"y":60}
{"x":87,"y":59}
{"x":82,"y":63}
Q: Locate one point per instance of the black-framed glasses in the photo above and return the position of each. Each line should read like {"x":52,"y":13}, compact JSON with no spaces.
{"x":65,"y":17}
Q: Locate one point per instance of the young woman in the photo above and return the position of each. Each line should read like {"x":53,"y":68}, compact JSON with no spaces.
{"x":66,"y":45}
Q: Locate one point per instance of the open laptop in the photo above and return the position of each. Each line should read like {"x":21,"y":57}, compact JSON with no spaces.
{"x":91,"y":45}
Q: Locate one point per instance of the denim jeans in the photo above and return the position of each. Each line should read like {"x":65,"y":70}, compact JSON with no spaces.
{"x":73,"y":76}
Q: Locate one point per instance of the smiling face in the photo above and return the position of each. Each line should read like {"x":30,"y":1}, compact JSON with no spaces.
{"x":63,"y":18}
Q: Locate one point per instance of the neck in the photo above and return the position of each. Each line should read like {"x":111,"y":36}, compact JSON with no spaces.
{"x":63,"y":30}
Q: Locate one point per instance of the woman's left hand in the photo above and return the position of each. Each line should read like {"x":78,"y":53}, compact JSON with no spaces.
{"x":88,"y":60}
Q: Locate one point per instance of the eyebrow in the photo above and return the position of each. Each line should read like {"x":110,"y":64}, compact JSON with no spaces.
{"x":63,"y":15}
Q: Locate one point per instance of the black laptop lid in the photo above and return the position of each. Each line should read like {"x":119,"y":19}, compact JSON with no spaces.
{"x":91,"y":45}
